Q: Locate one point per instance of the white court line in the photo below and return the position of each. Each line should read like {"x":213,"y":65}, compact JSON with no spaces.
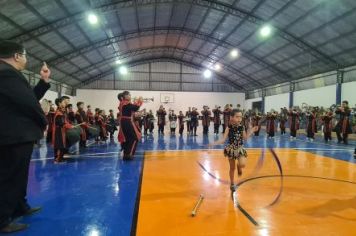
{"x":307,"y":141}
{"x":259,"y":148}
{"x":91,"y":143}
{"x":51,"y":158}
{"x":79,"y":155}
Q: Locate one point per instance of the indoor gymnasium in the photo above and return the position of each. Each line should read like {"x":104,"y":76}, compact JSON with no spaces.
{"x":178,"y":118}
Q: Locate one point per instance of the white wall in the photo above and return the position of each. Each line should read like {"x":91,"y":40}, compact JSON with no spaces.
{"x":107,"y":99}
{"x":323,"y":96}
{"x":51,"y":95}
{"x":348,"y":92}
{"x":275,"y":102}
{"x":248,"y":102}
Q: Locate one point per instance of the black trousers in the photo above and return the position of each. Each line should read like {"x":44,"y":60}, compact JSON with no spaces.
{"x":181,"y":130}
{"x":216,"y":128}
{"x":327,"y":136}
{"x":129,"y":146}
{"x":283,"y":130}
{"x":161,"y":129}
{"x":49,"y":136}
{"x":293,"y":132}
{"x":194,"y":130}
{"x":205,"y":129}
{"x":189,"y":126}
{"x":310,"y":133}
{"x":341,"y":136}
{"x":224,"y":128}
{"x":14,"y":168}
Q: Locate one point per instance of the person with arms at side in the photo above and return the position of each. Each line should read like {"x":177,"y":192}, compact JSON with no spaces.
{"x":194,"y":122}
{"x":293,"y":122}
{"x":206,"y":118}
{"x":188,"y":116}
{"x":226,"y":117}
{"x":343,"y":127}
{"x":161,"y":119}
{"x":23,"y":124}
{"x":217,"y":120}
{"x":181,"y":118}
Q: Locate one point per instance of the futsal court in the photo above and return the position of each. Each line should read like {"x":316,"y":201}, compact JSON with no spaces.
{"x":115,"y":116}
{"x":97,"y":193}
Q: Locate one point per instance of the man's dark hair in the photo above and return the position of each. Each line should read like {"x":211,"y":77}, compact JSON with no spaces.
{"x":65,"y":97}
{"x":234,"y":111}
{"x":121,"y":96}
{"x":9,"y":48}
{"x":58,"y":101}
{"x":346,"y":102}
{"x":79,"y":103}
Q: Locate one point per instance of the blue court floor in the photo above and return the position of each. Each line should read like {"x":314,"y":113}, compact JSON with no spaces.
{"x":95,"y":193}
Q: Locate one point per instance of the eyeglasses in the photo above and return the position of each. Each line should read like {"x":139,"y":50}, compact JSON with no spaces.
{"x":22,"y":53}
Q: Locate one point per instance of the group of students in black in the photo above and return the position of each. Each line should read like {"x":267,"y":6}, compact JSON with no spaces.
{"x":341,"y":120}
{"x":189,"y":119}
{"x":64,"y":122}
{"x":64,"y":119}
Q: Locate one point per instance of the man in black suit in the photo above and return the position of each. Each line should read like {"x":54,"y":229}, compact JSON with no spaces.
{"x":22,"y":123}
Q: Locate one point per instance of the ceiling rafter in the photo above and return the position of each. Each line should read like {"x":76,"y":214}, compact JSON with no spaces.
{"x":225,"y":38}
{"x":185,"y":22}
{"x":157,"y":59}
{"x":132,"y":53}
{"x":213,"y":4}
{"x":11,"y":22}
{"x":170,"y":21}
{"x":309,"y":12}
{"x":217,"y":27}
{"x":156,"y":31}
{"x":61,"y":5}
{"x":326,"y":24}
{"x":37,"y":14}
{"x":202,"y":21}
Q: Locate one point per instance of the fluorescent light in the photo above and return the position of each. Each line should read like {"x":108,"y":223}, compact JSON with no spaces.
{"x":123,"y":70}
{"x":217,"y":67}
{"x":92,"y":18}
{"x":118,"y":62}
{"x":207,"y":74}
{"x":266,"y":31}
{"x":234,"y":53}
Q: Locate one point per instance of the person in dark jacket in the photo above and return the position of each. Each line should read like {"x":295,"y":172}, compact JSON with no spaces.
{"x":23,"y":124}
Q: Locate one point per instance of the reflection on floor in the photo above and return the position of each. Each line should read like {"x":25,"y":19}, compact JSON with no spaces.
{"x":316,"y":196}
{"x":95,"y":192}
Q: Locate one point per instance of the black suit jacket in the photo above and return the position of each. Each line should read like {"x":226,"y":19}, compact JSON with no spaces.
{"x":21,"y":117}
